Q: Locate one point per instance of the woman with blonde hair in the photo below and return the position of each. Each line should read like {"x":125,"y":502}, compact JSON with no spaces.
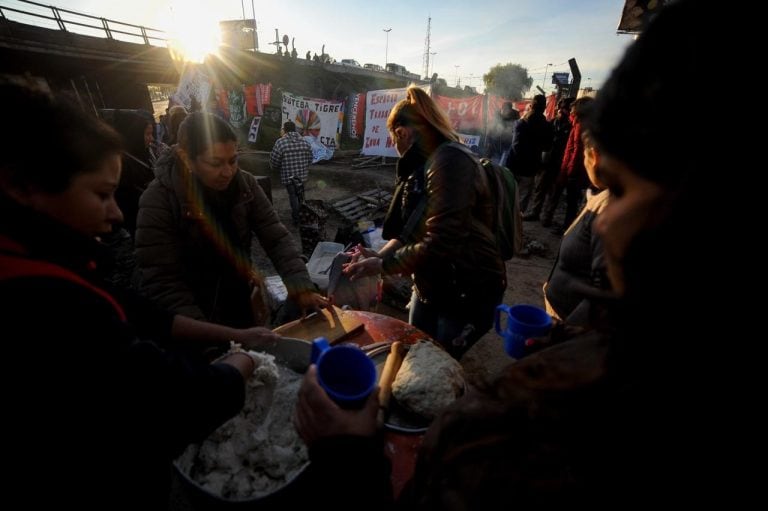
{"x":439,"y":228}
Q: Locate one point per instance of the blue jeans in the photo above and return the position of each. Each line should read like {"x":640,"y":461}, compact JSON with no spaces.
{"x":465,"y":327}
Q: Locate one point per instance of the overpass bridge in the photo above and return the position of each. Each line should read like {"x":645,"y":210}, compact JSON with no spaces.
{"x":109,"y":64}
{"x":103,"y":70}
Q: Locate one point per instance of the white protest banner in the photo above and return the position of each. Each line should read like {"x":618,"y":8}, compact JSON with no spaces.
{"x":378,"y":104}
{"x":318,"y":118}
{"x":193,"y":85}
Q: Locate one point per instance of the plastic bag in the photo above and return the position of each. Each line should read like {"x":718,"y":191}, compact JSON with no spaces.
{"x":363,"y":294}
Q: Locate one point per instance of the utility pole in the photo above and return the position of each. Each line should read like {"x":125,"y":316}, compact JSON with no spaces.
{"x":426,"y":49}
{"x":386,"y":48}
{"x":543,"y":82}
{"x":255,"y":35}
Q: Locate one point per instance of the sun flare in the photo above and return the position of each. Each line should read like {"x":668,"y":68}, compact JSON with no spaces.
{"x":193,"y":34}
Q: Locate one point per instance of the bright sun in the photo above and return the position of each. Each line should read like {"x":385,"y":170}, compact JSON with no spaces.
{"x":193,"y":33}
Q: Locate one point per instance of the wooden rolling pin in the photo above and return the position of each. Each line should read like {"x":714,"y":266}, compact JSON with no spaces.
{"x":391,"y":367}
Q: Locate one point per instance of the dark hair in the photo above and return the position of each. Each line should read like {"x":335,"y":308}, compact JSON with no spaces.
{"x":565,"y":102}
{"x":131,"y":125}
{"x":176,"y":116}
{"x":648,"y":117}
{"x":53,"y":139}
{"x":539,"y":103}
{"x":200,"y":130}
{"x":648,"y":114}
{"x":289,"y":126}
{"x":581,"y":107}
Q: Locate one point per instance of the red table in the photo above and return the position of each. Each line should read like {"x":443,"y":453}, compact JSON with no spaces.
{"x":400,"y":448}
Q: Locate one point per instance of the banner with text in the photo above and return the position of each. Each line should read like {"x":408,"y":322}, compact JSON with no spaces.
{"x":465,"y":114}
{"x":319,"y":118}
{"x":378,"y":103}
{"x":194,"y":87}
{"x":471,"y":141}
{"x":355,"y":115}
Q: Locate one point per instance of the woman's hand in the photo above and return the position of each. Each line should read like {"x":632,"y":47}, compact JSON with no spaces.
{"x":361,"y":252}
{"x":368,"y":267}
{"x":317,"y":416}
{"x":309,"y":301}
{"x":256,"y":338}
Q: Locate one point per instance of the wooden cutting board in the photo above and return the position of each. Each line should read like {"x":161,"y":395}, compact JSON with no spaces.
{"x":333,"y":324}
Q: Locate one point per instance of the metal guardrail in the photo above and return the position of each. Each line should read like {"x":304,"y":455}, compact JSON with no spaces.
{"x":65,"y":18}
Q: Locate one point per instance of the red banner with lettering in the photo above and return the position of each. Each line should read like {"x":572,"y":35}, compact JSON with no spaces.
{"x":465,"y":114}
{"x":495,"y":102}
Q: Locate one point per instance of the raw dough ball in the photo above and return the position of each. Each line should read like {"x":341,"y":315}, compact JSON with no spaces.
{"x":428,"y":381}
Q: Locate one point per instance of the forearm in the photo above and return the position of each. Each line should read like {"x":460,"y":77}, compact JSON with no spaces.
{"x":391,"y":246}
{"x":192,"y":330}
{"x":241,"y":361}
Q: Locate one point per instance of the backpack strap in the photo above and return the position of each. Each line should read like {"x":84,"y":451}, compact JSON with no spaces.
{"x":14,"y":265}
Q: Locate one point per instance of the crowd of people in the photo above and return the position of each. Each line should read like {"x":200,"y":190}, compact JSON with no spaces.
{"x":620,"y":415}
{"x":119,"y":377}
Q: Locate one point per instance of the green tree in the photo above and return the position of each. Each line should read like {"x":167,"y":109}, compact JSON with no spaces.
{"x":508,"y":80}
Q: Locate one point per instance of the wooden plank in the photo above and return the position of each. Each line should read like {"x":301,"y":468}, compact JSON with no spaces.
{"x":333,"y":324}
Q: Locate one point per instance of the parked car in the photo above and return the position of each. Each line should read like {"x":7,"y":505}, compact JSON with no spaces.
{"x":373,"y":67}
{"x":350,"y":62}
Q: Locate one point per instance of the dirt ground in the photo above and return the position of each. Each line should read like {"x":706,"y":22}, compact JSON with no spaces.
{"x":330,"y":181}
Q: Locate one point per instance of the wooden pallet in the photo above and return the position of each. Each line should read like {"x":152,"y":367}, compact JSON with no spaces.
{"x":372,"y":161}
{"x":363,"y":206}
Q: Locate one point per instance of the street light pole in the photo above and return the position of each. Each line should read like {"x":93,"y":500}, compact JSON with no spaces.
{"x":386,"y":48}
{"x":457,"y":66}
{"x":545,"y":76}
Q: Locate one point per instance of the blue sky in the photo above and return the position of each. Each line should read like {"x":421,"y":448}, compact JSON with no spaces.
{"x":468,"y":37}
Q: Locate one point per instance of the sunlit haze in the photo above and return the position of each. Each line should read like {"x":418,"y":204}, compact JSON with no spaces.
{"x":193,"y":33}
{"x":467,"y":38}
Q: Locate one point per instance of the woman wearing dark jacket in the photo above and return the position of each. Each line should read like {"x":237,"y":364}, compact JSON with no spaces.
{"x":80,"y":386}
{"x":449,"y":247}
{"x":195,"y":228}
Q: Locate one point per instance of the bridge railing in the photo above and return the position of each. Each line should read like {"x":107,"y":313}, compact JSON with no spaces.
{"x":49,"y":16}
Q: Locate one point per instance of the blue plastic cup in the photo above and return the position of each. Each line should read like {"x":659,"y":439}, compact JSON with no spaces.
{"x":523,"y":322}
{"x":345,"y":372}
